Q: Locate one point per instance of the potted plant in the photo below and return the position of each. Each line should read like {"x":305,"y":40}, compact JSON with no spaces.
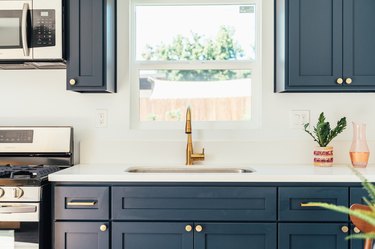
{"x":323,"y":135}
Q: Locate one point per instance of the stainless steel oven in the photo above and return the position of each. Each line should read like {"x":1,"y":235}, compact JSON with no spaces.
{"x":27,"y":156}
{"x":31,"y":30}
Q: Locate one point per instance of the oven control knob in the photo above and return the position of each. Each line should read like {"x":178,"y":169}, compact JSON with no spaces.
{"x":2,"y":192}
{"x":18,"y":192}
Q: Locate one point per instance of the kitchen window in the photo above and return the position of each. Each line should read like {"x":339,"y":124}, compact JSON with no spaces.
{"x":202,"y":54}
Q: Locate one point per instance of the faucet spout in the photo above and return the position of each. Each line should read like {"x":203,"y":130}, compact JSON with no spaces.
{"x":190,"y":156}
{"x":188,"y":121}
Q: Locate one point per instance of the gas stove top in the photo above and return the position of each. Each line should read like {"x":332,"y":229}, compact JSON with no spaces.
{"x":29,"y":154}
{"x":25,"y":175}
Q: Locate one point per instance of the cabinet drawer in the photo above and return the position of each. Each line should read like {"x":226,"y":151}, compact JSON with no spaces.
{"x":291,"y":198}
{"x":82,"y":203}
{"x":194,"y":203}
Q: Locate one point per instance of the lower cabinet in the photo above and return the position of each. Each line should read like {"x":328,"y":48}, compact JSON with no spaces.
{"x":157,"y":235}
{"x":313,"y":236}
{"x":200,"y":217}
{"x":81,"y":235}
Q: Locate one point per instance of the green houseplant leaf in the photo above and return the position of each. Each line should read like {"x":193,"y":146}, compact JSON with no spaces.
{"x":322,"y":132}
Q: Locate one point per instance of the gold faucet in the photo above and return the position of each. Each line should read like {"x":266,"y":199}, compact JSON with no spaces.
{"x":190,"y":156}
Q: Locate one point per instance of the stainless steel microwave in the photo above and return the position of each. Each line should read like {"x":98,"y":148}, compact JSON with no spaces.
{"x":31,"y":30}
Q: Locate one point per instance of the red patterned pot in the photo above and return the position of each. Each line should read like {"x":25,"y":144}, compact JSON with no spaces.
{"x":323,"y":156}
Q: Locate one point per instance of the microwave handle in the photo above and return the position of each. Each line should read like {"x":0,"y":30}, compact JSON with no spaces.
{"x":24,"y":29}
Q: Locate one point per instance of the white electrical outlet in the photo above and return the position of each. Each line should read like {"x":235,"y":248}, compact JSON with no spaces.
{"x":298,"y":118}
{"x":101,"y":118}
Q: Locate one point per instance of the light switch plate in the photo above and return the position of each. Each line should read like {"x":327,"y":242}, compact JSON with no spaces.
{"x":298,"y":118}
{"x":101,"y":118}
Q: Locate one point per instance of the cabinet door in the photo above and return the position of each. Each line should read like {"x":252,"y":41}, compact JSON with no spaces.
{"x":359,"y":40}
{"x":147,"y":235}
{"x":89,"y":50}
{"x":80,"y":235}
{"x":356,"y":197}
{"x":312,"y":236}
{"x":235,"y":236}
{"x":315,"y":44}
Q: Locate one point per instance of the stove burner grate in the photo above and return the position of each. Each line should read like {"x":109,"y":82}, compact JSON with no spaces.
{"x":26,"y":172}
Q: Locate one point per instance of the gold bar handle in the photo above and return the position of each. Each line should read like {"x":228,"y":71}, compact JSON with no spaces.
{"x":309,"y":205}
{"x":82,"y":203}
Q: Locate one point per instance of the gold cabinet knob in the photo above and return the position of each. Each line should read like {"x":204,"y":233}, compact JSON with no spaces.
{"x":198,"y":228}
{"x":340,"y":81}
{"x":72,"y":82}
{"x":348,"y":81}
{"x":356,"y":230}
{"x":103,"y":228}
{"x":345,"y":229}
{"x":188,"y":228}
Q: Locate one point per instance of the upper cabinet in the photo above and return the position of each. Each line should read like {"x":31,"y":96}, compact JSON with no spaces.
{"x":325,"y":45}
{"x":91,"y":45}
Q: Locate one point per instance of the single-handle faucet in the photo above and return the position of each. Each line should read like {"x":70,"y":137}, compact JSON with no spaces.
{"x":190,"y":156}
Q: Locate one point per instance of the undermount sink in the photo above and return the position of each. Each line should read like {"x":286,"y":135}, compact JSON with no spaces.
{"x":189,"y":169}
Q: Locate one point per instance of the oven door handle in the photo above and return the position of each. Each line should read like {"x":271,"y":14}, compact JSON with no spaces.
{"x":9,"y":209}
{"x":25,"y":46}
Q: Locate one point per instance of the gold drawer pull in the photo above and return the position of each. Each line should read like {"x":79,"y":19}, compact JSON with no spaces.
{"x":81,"y":203}
{"x":309,"y":205}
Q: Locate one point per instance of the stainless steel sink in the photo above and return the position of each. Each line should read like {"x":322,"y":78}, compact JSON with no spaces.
{"x":189,"y":169}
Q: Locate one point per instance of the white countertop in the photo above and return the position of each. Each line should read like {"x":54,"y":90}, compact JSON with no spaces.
{"x":263,"y":173}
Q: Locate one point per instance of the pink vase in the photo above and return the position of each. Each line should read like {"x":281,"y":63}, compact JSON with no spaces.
{"x":359,"y":151}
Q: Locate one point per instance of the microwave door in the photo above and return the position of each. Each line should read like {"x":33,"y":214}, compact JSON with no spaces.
{"x":15,"y":23}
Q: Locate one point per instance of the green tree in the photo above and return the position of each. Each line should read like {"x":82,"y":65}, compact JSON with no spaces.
{"x":197,"y":47}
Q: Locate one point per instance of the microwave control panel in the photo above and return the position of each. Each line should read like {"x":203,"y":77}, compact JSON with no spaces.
{"x":44,"y":31}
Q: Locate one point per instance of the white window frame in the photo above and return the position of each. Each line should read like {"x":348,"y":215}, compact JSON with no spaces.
{"x":135,"y":66}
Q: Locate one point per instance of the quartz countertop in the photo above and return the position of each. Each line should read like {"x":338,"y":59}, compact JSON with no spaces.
{"x":262,"y":173}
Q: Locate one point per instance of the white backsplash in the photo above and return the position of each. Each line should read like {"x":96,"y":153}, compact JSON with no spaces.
{"x":40,"y":98}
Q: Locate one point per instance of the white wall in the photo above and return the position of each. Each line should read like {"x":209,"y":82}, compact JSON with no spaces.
{"x":40,"y":98}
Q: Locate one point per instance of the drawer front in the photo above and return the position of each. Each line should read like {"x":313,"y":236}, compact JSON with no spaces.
{"x":81,"y":203}
{"x":291,"y":198}
{"x":194,"y":203}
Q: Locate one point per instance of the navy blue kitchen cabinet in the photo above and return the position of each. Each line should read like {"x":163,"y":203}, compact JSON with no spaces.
{"x":235,"y":236}
{"x":155,"y":235}
{"x":194,"y":203}
{"x":356,"y":197}
{"x":185,"y":235}
{"x":324,"y":46}
{"x":91,"y":45}
{"x":312,"y":236}
{"x":81,"y":235}
{"x":207,"y":216}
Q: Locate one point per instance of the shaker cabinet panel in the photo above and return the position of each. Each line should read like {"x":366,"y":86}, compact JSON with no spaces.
{"x":80,"y":235}
{"x":90,"y":45}
{"x":359,"y":40}
{"x":325,"y":46}
{"x":293,"y":200}
{"x":315,"y":42}
{"x":312,"y":236}
{"x":151,"y":235}
{"x":236,"y":236}
{"x":194,"y":203}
